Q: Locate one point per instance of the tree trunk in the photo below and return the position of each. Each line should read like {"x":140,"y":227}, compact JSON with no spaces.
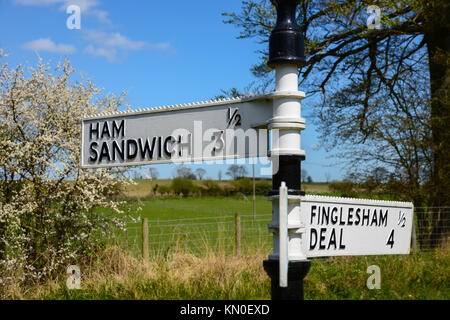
{"x":437,"y":36}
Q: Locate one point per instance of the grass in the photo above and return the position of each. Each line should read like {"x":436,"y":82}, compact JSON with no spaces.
{"x":189,"y":223}
{"x":196,"y":260}
{"x":116,"y":274}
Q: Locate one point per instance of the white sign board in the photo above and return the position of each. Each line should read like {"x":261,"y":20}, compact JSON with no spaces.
{"x":346,"y":227}
{"x":217,"y":130}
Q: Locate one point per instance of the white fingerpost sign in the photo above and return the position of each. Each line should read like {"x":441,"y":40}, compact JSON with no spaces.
{"x":213,"y":130}
{"x":347,"y":227}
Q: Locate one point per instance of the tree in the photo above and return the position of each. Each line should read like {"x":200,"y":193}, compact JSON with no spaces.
{"x":369,"y":80}
{"x":226,"y":94}
{"x":236,"y":171}
{"x":48,"y":216}
{"x":200,"y":173}
{"x":380,"y":175}
{"x":242,"y":172}
{"x":184,"y":172}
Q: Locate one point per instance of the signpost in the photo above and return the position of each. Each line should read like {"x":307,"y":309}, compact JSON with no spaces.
{"x":347,"y":227}
{"x":213,"y":130}
{"x":303,"y":226}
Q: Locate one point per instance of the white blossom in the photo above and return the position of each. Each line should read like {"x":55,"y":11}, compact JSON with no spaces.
{"x":49,"y":207}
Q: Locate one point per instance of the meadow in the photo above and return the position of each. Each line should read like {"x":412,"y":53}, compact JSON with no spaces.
{"x":193,"y":222}
{"x":117,"y":274}
{"x":192,"y":256}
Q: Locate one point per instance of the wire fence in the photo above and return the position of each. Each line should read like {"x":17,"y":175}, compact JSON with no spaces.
{"x":432,"y":227}
{"x":217,"y":233}
{"x":228,"y":235}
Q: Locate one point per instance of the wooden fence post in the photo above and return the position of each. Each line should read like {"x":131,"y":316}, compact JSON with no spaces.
{"x":413,"y":237}
{"x":145,"y":239}
{"x":238,"y":234}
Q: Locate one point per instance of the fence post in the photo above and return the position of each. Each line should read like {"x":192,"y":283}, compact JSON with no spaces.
{"x":238,"y":234}
{"x":145,"y":238}
{"x":254,"y":190}
{"x":413,"y":237}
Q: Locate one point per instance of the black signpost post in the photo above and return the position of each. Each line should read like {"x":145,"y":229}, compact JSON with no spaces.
{"x":286,"y":48}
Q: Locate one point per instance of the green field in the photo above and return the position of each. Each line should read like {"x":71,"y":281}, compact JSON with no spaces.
{"x":192,"y":223}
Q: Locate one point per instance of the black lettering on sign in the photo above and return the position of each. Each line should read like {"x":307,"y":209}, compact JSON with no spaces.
{"x":326,"y":215}
{"x":159,"y":147}
{"x":104,"y":152}
{"x":146,"y":148}
{"x":238,"y":120}
{"x":350,"y":216}
{"x":322,"y":238}
{"x":383,"y":218}
{"x":119,"y":150}
{"x":313,"y":213}
{"x":341,"y":245}
{"x":94,"y":152}
{"x":332,"y":239}
{"x":167,"y":152}
{"x":374,"y":218}
{"x":119,"y":130}
{"x":342,"y":221}
{"x":390,"y":241}
{"x":365,"y":217}
{"x":93,"y":130}
{"x":105,"y":130}
{"x":358,"y":217}
{"x":312,"y":239}
{"x":334,"y":217}
{"x":132,"y":148}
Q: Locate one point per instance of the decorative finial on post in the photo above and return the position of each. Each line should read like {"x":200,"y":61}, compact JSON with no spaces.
{"x":286,"y":44}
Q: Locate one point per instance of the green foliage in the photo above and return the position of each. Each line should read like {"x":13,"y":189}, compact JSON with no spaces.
{"x":183,"y":186}
{"x":262,"y":187}
{"x":210,"y":188}
{"x":164,"y":189}
{"x":244,"y":186}
{"x":345,"y":188}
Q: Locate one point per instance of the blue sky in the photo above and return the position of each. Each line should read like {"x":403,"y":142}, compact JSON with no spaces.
{"x":161,"y":52}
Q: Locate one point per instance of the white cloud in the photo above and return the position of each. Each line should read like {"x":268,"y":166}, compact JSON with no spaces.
{"x":46,"y":44}
{"x":86,"y":6}
{"x":36,"y":2}
{"x":100,"y":43}
{"x":109,"y":54}
{"x":108,"y":45}
{"x":115,"y":40}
